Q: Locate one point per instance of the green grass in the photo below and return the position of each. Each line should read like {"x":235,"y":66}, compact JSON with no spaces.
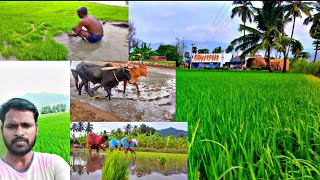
{"x":53,"y":135}
{"x":115,"y":167}
{"x":19,"y":39}
{"x":250,"y":125}
{"x":163,"y":163}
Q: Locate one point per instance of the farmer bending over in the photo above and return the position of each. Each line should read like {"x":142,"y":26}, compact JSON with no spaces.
{"x":94,"y":28}
{"x":94,"y":142}
{"x":128,"y":144}
{"x":113,"y":143}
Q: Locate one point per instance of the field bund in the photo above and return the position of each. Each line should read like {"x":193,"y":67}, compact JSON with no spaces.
{"x":250,"y":125}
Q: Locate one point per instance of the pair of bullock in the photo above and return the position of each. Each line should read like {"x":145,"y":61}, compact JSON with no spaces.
{"x":108,"y":76}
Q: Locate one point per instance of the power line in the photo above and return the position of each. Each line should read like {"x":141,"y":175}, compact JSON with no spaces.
{"x":220,"y":21}
{"x":224,"y":25}
{"x":213,"y":21}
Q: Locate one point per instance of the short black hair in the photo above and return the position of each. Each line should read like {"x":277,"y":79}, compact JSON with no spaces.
{"x":105,"y":137}
{"x":82,"y":10}
{"x":19,"y":104}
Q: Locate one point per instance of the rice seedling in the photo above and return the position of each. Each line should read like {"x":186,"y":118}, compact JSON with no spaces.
{"x":27,"y":28}
{"x":116,"y":166}
{"x":250,"y":125}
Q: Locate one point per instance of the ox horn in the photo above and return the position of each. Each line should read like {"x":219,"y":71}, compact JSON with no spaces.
{"x":141,"y":62}
{"x":109,"y":68}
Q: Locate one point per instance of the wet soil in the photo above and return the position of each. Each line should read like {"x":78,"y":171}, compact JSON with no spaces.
{"x":112,"y":47}
{"x":156,"y":101}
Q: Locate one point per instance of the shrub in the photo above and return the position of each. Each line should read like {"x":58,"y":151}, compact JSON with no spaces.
{"x":302,"y":66}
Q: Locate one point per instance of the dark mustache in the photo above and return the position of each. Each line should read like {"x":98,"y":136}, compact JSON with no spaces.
{"x":19,"y":139}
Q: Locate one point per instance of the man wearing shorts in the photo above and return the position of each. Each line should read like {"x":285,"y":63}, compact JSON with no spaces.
{"x":94,"y":28}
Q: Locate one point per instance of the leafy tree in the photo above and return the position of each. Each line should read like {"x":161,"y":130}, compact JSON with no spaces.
{"x":295,"y":9}
{"x":217,"y":50}
{"x":74,"y":128}
{"x":127,"y":129}
{"x":88,"y":127}
{"x":203,"y":51}
{"x":80,"y":127}
{"x":267,"y":19}
{"x":304,"y":55}
{"x":144,"y":52}
{"x":244,"y":10}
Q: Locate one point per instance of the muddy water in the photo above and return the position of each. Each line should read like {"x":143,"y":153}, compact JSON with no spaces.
{"x":156,"y":101}
{"x":112,"y":47}
{"x":84,"y":167}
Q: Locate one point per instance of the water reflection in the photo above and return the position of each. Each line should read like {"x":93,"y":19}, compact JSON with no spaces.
{"x":86,"y":166}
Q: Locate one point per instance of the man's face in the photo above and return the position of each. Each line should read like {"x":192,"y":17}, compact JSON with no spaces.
{"x":80,"y":15}
{"x":19,"y":131}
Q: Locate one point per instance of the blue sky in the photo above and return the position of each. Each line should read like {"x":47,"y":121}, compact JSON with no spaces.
{"x":157,"y":21}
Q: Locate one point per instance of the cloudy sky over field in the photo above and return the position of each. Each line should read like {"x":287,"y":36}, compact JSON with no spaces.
{"x":191,"y":20}
{"x":19,"y":78}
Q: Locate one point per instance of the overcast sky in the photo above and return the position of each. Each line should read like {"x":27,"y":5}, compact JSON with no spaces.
{"x":108,"y":126}
{"x":157,"y":21}
{"x":20,"y":77}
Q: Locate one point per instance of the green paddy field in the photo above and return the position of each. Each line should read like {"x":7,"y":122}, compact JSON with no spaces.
{"x":250,"y":125}
{"x":27,"y":28}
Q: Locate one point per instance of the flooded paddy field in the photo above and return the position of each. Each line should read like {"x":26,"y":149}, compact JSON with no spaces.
{"x":112,"y":47}
{"x":156,"y":101}
{"x":144,"y":165}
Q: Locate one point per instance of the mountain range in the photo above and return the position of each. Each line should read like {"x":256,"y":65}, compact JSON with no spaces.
{"x":44,"y":99}
{"x":172,"y":131}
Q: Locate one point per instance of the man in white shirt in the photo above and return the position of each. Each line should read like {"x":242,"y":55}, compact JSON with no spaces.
{"x":19,"y":130}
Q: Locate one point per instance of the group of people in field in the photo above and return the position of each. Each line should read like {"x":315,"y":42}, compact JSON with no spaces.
{"x":95,"y":142}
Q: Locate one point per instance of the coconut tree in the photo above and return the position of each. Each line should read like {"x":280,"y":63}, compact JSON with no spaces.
{"x":74,"y":128}
{"x":127,"y":129}
{"x":80,"y":127}
{"x":267,"y":19}
{"x":244,"y":11}
{"x":295,"y":9}
{"x":281,"y":42}
{"x":88,"y":127}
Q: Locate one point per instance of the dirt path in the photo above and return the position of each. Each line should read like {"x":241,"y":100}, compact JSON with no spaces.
{"x":156,"y":101}
{"x":112,"y":47}
{"x":80,"y":111}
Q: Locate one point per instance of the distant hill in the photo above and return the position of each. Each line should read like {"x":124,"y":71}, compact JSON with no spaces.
{"x":44,"y":99}
{"x":211,"y":45}
{"x":172,"y":131}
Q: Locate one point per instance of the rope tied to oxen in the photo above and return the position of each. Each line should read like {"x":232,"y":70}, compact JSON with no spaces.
{"x":115,"y":76}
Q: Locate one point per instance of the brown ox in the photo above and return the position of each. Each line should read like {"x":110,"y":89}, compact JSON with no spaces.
{"x":136,"y":71}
